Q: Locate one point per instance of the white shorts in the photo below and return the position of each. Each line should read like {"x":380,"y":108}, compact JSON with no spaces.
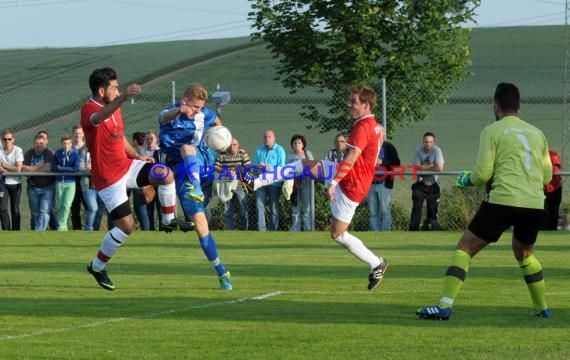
{"x":116,"y":194}
{"x":343,"y":208}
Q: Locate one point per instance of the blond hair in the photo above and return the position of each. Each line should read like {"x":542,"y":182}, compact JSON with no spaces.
{"x":196,"y":92}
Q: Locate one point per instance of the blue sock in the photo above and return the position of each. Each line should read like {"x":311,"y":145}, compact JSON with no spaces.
{"x":209,"y":247}
{"x":192,"y":170}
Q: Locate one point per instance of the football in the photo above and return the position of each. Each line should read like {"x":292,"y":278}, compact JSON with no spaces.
{"x":218,"y":138}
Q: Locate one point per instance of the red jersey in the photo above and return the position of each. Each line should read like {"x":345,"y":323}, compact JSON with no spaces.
{"x":106,"y":143}
{"x":367,"y":136}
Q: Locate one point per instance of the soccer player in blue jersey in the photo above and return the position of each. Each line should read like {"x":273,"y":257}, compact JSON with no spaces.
{"x":182,"y":127}
{"x":514,"y":163}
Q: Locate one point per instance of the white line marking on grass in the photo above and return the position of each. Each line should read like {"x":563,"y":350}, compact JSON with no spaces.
{"x":152,"y":315}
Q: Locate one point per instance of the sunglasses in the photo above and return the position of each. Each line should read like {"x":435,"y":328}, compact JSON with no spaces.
{"x":7,"y":139}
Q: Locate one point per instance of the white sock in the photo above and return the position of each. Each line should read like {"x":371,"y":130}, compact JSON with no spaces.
{"x":279,"y":173}
{"x":358,"y":249}
{"x":167,"y":198}
{"x":112,"y":240}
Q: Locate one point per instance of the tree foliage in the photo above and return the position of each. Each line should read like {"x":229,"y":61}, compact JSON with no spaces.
{"x":419,"y":46}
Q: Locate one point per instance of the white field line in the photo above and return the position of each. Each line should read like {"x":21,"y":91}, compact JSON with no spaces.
{"x":150,"y":315}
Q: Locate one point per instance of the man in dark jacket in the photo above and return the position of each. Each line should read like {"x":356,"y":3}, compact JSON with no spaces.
{"x":379,"y":197}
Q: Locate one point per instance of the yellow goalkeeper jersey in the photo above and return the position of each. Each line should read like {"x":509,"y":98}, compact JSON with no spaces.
{"x":513,"y":160}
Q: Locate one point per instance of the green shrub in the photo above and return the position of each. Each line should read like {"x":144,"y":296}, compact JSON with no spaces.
{"x":458,"y":206}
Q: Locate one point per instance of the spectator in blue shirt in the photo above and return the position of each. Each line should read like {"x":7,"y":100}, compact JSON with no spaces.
{"x":267,"y":156}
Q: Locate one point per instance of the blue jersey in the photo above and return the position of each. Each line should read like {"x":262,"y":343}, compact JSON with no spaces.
{"x":182,"y":130}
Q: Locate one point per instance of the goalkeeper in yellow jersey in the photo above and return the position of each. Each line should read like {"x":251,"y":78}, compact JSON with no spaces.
{"x":514,"y":163}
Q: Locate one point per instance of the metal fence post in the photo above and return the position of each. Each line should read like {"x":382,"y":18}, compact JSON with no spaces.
{"x":384,"y":115}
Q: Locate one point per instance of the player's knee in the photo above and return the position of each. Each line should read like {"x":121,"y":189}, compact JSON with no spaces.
{"x":122,"y":218}
{"x":187,"y":150}
{"x":166,"y":179}
{"x":128,"y":227}
{"x":335,"y":234}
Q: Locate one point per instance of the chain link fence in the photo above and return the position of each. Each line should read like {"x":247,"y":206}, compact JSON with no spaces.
{"x":256,"y":106}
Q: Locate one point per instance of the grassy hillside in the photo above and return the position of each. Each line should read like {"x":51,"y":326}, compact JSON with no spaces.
{"x":41,"y":84}
{"x":44,"y":84}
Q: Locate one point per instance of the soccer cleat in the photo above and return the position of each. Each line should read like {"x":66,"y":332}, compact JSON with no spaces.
{"x":193,"y":193}
{"x":375,"y":277}
{"x":225,"y":283}
{"x":546,"y":313}
{"x":434,"y":313}
{"x":101,"y":277}
{"x":176,"y":224}
{"x":186,"y":226}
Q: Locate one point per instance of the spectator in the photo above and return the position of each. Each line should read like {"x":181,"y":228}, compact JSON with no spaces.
{"x":79,"y":145}
{"x":430,"y":158}
{"x":52,"y":212}
{"x":4,"y":217}
{"x":302,"y":187}
{"x":138,"y":143}
{"x":152,"y":150}
{"x":553,"y":193}
{"x":229,"y":161}
{"x":99,"y":215}
{"x":337,"y":154}
{"x":379,"y":197}
{"x":11,"y":160}
{"x":66,"y":160}
{"x":267,"y":156}
{"x":88,"y":190}
{"x":40,"y":189}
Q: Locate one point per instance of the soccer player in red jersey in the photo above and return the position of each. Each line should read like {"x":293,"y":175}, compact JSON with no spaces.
{"x":351,"y":178}
{"x":116,"y":166}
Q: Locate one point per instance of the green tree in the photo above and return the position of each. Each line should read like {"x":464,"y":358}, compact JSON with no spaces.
{"x":419,"y":46}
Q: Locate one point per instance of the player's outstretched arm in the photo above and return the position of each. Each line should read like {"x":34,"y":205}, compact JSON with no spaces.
{"x":106,"y":111}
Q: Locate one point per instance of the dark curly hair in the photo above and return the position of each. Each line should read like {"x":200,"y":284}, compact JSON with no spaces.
{"x":299,"y":137}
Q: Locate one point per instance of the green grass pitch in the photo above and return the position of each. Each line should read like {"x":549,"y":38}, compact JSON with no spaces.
{"x":296,"y":296}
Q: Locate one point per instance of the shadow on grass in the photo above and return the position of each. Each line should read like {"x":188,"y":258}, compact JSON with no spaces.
{"x":277,"y":309}
{"x":50,"y":270}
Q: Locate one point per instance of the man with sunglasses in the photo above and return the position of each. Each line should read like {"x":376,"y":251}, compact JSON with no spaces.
{"x":11,"y":160}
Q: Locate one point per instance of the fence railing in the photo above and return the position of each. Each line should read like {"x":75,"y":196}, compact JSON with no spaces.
{"x":319,"y":209}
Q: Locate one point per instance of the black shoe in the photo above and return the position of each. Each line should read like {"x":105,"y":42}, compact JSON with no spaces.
{"x":101,"y":277}
{"x":176,"y":224}
{"x":186,"y":226}
{"x":375,"y":277}
{"x":434,"y":313}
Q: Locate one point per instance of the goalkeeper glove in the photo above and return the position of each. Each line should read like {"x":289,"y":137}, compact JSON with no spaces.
{"x":463,"y":179}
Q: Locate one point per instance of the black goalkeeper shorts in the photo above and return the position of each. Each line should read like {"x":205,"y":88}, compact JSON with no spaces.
{"x":492,"y":220}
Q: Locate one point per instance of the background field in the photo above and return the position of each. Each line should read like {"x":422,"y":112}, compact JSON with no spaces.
{"x":40,"y":84}
{"x":296,"y":296}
